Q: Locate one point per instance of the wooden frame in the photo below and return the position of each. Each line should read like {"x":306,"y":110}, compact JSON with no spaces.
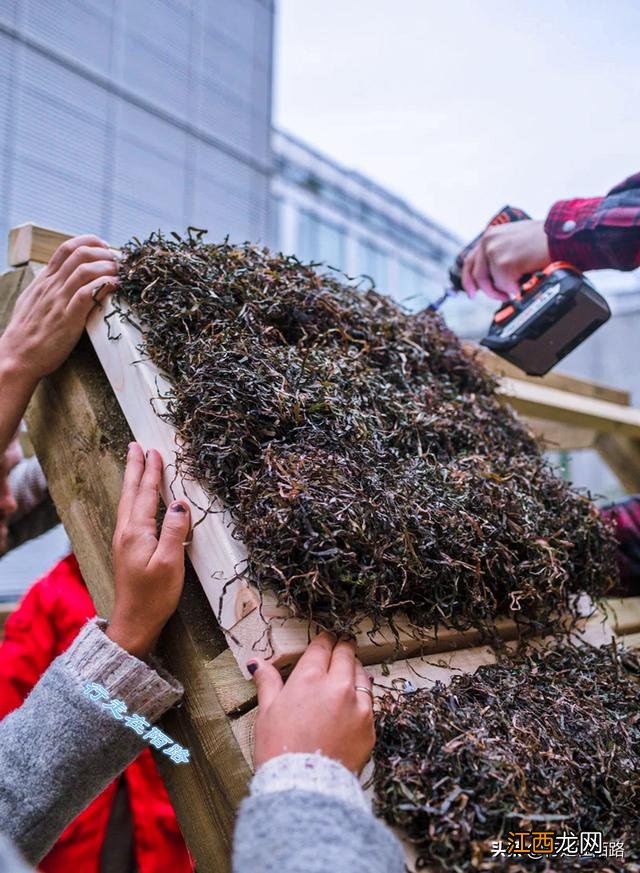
{"x":80,"y":435}
{"x":253,"y":624}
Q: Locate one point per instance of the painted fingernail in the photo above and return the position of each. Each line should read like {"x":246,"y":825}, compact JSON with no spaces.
{"x":252,"y":666}
{"x":371,"y":679}
{"x":178,"y":507}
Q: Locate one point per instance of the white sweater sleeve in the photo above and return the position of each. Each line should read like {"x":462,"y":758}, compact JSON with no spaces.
{"x":309,"y":772}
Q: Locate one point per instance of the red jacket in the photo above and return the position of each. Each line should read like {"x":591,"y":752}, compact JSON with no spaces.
{"x":49,"y":617}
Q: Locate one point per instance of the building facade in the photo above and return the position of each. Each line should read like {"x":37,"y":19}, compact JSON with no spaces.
{"x":123,"y":116}
{"x":325,"y":212}
{"x":120,"y":117}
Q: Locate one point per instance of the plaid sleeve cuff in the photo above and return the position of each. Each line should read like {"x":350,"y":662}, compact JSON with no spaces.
{"x":599,"y":232}
{"x":569,"y":228}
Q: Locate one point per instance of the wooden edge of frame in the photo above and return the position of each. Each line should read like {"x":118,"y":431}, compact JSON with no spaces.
{"x":31,"y":242}
{"x":619,"y":618}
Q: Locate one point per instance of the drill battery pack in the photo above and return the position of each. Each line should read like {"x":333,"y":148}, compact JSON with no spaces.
{"x":557,"y":309}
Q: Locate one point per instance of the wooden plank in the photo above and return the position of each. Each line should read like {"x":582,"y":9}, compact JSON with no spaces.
{"x":562,"y":381}
{"x":80,"y":438}
{"x":425,"y":671}
{"x":287,"y":638}
{"x":622,"y":455}
{"x":237,"y":695}
{"x":218,"y":557}
{"x":30,"y":242}
{"x":244,"y":729}
{"x":631,"y":641}
{"x":207,"y":792}
{"x":624,"y":614}
{"x":539,"y":401}
{"x":11,"y":284}
{"x":562,"y":437}
{"x":235,"y":692}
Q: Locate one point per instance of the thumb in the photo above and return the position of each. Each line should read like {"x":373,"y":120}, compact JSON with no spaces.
{"x":506,"y":284}
{"x":268,"y":681}
{"x":175,"y":530}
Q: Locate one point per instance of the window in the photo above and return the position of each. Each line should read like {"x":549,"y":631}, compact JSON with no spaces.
{"x":320,"y":240}
{"x":373,"y":262}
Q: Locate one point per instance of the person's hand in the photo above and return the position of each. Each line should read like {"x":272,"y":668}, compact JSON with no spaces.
{"x":149,"y":572}
{"x":503,"y":255}
{"x":51,"y":312}
{"x":318,"y":709}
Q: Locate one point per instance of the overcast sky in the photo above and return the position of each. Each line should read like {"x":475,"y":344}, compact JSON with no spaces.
{"x":461,"y":106}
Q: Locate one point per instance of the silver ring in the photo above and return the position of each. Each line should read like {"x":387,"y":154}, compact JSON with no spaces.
{"x":366,"y":690}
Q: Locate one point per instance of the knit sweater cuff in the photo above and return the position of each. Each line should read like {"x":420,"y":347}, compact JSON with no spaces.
{"x":309,"y":773}
{"x":28,"y":486}
{"x":95,"y":658}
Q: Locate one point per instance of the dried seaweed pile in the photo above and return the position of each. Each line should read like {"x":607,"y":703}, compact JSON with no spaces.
{"x":548,"y":743}
{"x":369,"y":465}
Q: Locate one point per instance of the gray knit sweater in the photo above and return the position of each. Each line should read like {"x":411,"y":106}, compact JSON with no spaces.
{"x":60,"y":749}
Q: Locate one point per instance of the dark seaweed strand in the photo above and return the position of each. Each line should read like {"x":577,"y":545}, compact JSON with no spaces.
{"x":554,"y":733}
{"x":369,"y":464}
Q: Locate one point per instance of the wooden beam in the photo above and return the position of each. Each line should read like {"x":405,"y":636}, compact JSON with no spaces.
{"x":218,"y":556}
{"x":631,"y":641}
{"x":283,"y":640}
{"x":244,"y":729}
{"x":562,"y":437}
{"x":563,"y":382}
{"x":235,"y":692}
{"x":622,"y":454}
{"x":30,"y":242}
{"x":207,"y":792}
{"x":11,"y":284}
{"x":539,"y":401}
{"x":80,"y":438}
{"x":619,"y":617}
{"x":623,"y":614}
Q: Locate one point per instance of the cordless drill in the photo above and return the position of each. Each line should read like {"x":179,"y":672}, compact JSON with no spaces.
{"x":556,"y":309}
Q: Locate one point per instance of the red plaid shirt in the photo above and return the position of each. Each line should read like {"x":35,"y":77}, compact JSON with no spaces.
{"x":599,"y":232}
{"x":594,"y":234}
{"x":626,"y":516}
